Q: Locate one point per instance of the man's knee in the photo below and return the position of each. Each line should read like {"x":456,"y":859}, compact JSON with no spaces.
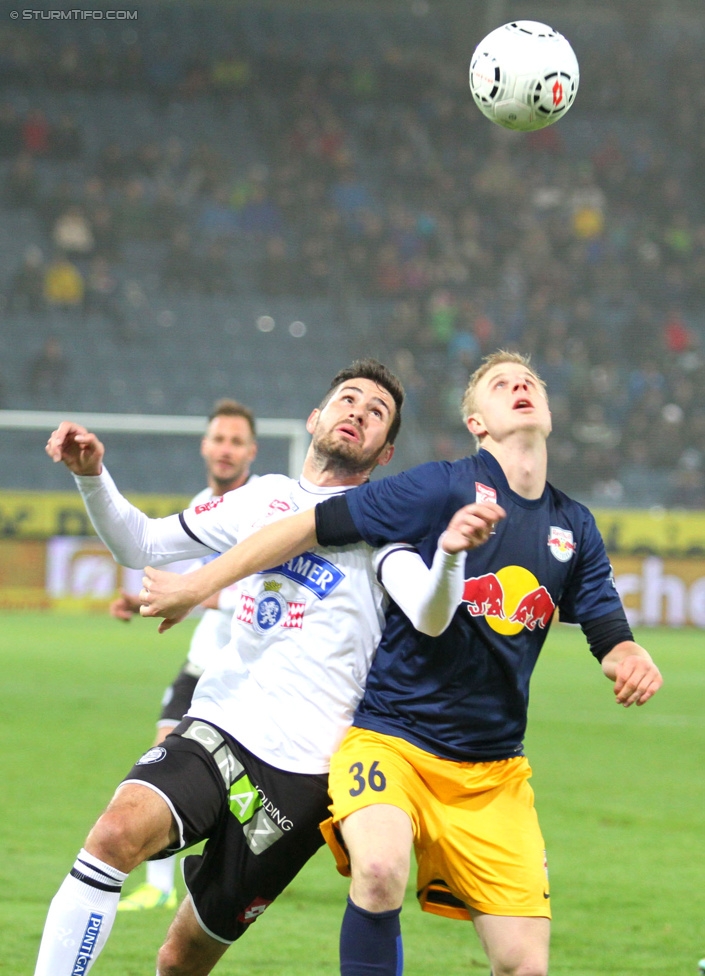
{"x":136,"y":825}
{"x":171,"y":962}
{"x":188,"y":950}
{"x":526,"y":967}
{"x":515,"y":946}
{"x":379,"y":879}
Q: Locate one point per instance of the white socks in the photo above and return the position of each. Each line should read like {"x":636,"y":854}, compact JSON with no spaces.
{"x":161,"y":873}
{"x":80,"y":918}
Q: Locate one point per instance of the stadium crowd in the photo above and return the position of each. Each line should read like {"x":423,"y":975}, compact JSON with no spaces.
{"x":374,"y":182}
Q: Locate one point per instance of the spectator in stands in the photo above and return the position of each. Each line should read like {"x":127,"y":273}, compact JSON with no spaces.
{"x":66,"y":141}
{"x":278,"y":273}
{"x":230,"y":74}
{"x":134,"y":212}
{"x":69,"y":70}
{"x":102,"y":295}
{"x":167,"y":214}
{"x":36,"y":133}
{"x":47,"y":371}
{"x":72,"y":233}
{"x":52,"y":204}
{"x":10,"y":140}
{"x":26,"y":288}
{"x":214,"y":273}
{"x":113,"y":166}
{"x":260,"y":215}
{"x":218,"y":217}
{"x":64,"y":287}
{"x":21,"y":189}
{"x":105,"y":232}
{"x":178,"y":270}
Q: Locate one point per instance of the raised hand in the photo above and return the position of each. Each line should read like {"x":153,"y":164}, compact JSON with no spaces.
{"x":471,"y":526}
{"x":80,"y":450}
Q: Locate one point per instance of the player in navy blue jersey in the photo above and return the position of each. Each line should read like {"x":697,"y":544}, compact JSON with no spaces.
{"x":434,"y":759}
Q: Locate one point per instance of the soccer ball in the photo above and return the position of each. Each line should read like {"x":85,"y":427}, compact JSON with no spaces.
{"x":524,"y":75}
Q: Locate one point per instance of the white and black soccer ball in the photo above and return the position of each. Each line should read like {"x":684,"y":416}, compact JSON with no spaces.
{"x":524,"y":75}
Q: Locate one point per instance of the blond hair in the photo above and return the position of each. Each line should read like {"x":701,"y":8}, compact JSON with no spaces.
{"x":494,"y":359}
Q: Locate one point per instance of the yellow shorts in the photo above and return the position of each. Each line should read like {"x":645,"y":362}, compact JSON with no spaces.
{"x":476,"y":833}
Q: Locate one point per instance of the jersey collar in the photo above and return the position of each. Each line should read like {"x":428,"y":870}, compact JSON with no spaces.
{"x":500,"y":480}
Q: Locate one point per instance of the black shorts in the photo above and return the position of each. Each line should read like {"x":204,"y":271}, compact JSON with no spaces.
{"x":177,"y":697}
{"x":260,"y":823}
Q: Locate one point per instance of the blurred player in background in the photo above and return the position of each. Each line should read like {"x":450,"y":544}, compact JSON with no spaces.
{"x":228,"y":448}
{"x":434,"y":759}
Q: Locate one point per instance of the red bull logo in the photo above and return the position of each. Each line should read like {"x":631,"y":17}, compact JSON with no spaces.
{"x":535,"y":609}
{"x":510,"y":600}
{"x":484,"y":596}
{"x":561,"y":544}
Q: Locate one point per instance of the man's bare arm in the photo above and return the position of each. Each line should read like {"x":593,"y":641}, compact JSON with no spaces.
{"x":172,"y":596}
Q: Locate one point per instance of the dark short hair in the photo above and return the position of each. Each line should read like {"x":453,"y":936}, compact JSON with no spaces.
{"x":231,"y":408}
{"x":371,"y":369}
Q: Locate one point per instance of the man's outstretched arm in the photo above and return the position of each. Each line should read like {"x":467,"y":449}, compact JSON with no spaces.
{"x":172,"y":596}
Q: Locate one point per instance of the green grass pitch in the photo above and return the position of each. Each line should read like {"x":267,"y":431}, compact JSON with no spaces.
{"x":620,"y":793}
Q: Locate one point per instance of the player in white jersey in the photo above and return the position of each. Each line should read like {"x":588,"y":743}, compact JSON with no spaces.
{"x":247,"y":769}
{"x":228,"y":449}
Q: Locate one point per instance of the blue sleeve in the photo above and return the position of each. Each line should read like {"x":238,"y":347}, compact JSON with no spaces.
{"x":405,"y":507}
{"x":592,"y":591}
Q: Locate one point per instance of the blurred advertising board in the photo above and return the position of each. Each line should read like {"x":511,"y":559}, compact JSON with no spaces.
{"x":64,"y":573}
{"x":669,"y":533}
{"x":661,"y":592}
{"x":658,"y":560}
{"x":41,"y":515}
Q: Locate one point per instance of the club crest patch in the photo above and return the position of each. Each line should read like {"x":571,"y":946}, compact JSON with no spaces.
{"x":483,"y":493}
{"x":560,"y":542}
{"x":270,"y":609}
{"x":153,"y":755}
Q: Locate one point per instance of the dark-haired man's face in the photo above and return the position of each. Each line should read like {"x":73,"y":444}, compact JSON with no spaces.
{"x":228,"y":449}
{"x":353,"y":427}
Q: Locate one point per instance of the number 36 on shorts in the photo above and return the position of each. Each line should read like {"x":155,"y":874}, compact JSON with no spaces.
{"x":372,"y":777}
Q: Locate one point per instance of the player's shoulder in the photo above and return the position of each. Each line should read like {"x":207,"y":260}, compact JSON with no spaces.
{"x":259,"y":487}
{"x":570,"y":507}
{"x":426,"y":478}
{"x":203,"y":496}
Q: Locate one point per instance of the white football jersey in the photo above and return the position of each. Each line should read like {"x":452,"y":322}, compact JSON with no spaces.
{"x":213,"y":630}
{"x":304,"y":633}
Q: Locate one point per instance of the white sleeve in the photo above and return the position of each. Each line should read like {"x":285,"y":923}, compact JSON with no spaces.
{"x":134,"y":539}
{"x":429,"y":597}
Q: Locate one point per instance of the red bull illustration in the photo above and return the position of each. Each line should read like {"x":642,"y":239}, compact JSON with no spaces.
{"x":535,"y":609}
{"x":509,"y":600}
{"x":484,"y":596}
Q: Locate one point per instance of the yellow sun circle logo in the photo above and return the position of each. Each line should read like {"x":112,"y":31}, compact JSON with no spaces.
{"x":516,"y":583}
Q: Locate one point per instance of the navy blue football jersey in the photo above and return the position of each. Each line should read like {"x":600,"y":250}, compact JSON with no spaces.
{"x":464,"y":695}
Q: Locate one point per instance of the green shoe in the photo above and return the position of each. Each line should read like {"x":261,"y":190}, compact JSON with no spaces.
{"x":147,"y":896}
